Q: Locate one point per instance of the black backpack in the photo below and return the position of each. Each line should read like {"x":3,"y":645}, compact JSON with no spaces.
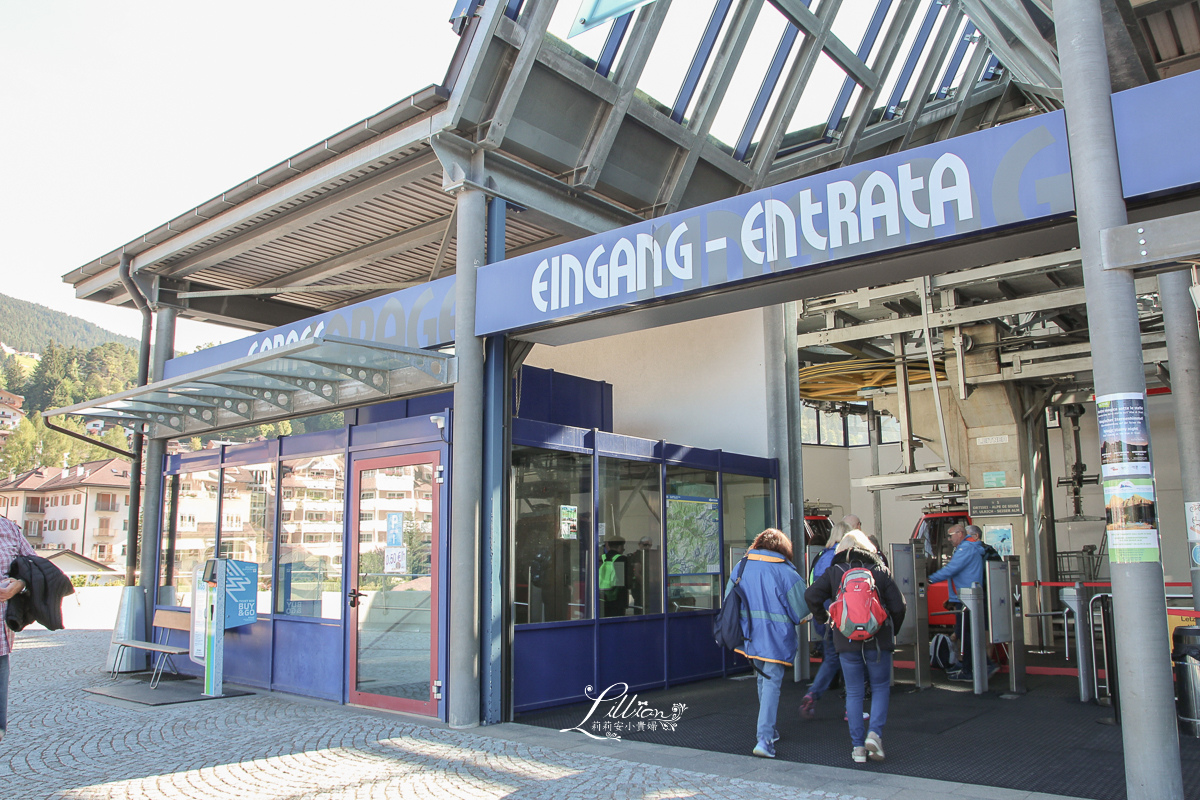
{"x":990,"y":553}
{"x":727,"y":624}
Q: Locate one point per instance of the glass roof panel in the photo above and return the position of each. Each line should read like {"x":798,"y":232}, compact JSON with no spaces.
{"x":673,"y":51}
{"x":748,"y":75}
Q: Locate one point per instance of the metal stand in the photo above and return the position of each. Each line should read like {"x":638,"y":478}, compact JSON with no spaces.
{"x":908,"y":567}
{"x":1076,"y":599}
{"x":1005,"y":620}
{"x":802,"y":669}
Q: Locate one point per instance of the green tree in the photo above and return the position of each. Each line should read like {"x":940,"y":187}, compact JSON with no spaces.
{"x":20,"y":452}
{"x":14,"y":375}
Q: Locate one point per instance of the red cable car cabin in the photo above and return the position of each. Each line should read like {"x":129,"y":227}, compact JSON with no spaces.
{"x":931,"y":529}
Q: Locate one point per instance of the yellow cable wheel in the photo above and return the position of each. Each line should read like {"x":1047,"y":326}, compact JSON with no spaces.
{"x":841,"y":381}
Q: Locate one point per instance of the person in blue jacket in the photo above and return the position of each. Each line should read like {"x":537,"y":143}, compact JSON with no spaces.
{"x":774,"y":606}
{"x":964,"y":569}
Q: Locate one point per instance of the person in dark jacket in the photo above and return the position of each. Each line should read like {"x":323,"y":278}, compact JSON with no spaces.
{"x":861,"y":660}
{"x":774,"y":592}
{"x":831,"y":667}
{"x":41,"y":600}
{"x":12,"y":545}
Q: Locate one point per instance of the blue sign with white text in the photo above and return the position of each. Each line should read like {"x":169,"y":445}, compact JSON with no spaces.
{"x":1007,"y":175}
{"x":241,"y":593}
{"x":395,"y":529}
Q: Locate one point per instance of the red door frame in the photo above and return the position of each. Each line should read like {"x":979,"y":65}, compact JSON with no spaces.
{"x":428,"y":707}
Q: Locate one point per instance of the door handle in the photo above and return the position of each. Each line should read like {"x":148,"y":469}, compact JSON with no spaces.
{"x":353,"y":595}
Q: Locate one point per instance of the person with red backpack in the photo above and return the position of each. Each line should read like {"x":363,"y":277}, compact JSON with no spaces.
{"x":865,"y":610}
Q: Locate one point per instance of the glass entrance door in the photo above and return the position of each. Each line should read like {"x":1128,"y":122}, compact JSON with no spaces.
{"x":392,"y":591}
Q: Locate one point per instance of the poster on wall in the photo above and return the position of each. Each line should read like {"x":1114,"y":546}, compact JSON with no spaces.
{"x":1131,"y":520}
{"x":568,"y":522}
{"x":1191,"y":515}
{"x":693,"y":530}
{"x":999,"y":537}
{"x":1124,"y":435}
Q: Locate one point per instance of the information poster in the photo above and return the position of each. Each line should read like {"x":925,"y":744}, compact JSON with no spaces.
{"x":1128,"y":479}
{"x":693,"y":528}
{"x":994,"y":480}
{"x":568,"y":522}
{"x":999,"y":537}
{"x":395,"y":555}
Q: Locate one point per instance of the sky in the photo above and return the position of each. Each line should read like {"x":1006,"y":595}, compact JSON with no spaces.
{"x":119,"y":115}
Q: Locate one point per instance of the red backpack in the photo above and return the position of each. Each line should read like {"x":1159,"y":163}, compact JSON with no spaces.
{"x":856,"y":611}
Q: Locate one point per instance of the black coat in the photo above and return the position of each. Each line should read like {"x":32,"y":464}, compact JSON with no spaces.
{"x":47,"y":587}
{"x":826,"y":587}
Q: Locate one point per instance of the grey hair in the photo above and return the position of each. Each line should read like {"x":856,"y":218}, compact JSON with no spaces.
{"x":976,"y":531}
{"x":852,"y":522}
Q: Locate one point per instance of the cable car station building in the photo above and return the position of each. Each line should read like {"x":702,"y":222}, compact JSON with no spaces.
{"x":535,"y":315}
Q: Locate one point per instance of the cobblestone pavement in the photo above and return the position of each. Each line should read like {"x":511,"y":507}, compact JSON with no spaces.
{"x":65,"y":743}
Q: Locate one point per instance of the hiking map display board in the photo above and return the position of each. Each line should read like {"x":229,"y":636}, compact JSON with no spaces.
{"x":693,"y":535}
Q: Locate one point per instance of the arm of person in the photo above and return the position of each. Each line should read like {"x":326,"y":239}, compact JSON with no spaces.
{"x":10,"y":588}
{"x":957,"y":563}
{"x":893,"y":599}
{"x":797,"y":608}
{"x":817,"y":595}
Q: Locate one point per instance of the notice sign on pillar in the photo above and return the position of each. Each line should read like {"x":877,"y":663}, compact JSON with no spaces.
{"x":1191,"y":515}
{"x":1128,"y":477}
{"x":241,"y":593}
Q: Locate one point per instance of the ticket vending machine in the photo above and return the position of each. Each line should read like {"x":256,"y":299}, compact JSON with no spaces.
{"x":224,"y":596}
{"x":908,"y":568}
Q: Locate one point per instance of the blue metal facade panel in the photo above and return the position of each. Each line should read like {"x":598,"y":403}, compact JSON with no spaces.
{"x":1156,"y":128}
{"x":631,"y":651}
{"x":552,"y":665}
{"x":692,"y":653}
{"x":308,"y":658}
{"x":253,"y":453}
{"x":248,"y":654}
{"x":317,"y":442}
{"x":749,"y":465}
{"x":614,"y":444}
{"x":692,"y":456}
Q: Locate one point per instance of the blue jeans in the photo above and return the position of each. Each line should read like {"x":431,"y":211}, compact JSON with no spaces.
{"x":829,"y":667}
{"x":3,"y":694}
{"x":768,"y":700}
{"x":856,"y":669}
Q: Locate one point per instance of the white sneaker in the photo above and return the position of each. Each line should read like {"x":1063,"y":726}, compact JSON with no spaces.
{"x":874,"y":746}
{"x":859,"y":754}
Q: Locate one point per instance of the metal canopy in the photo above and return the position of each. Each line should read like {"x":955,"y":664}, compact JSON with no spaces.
{"x":311,"y":376}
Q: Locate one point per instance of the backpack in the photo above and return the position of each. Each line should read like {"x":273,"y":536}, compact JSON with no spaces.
{"x":942,"y":652}
{"x":990,"y":553}
{"x":856,"y":611}
{"x":611,"y":576}
{"x":727,"y":624}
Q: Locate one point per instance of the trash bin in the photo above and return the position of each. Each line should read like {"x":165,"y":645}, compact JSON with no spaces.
{"x":1185,"y":654}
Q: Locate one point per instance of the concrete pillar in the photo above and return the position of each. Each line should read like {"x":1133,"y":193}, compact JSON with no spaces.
{"x":1148,"y":729}
{"x":463,"y":683}
{"x":1183,"y":350}
{"x":156,"y":450}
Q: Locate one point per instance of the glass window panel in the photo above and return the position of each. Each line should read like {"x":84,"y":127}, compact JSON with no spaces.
{"x":831,"y":428}
{"x":747,"y":509}
{"x":693,"y":557}
{"x":816,"y":103}
{"x":808,"y":425}
{"x":961,"y":74}
{"x":589,"y":44}
{"x":671,"y":56}
{"x":630,"y":536}
{"x":248,"y":522}
{"x":851,"y":23}
{"x":910,"y":36}
{"x":195,"y":535}
{"x":889,"y":429}
{"x":857,"y":431}
{"x":552,"y":531}
{"x":748,"y":75}
{"x":309,"y":577}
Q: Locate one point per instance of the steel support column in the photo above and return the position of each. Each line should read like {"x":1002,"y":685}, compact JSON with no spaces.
{"x":1183,"y":351}
{"x":156,"y":450}
{"x":779,"y":433}
{"x":495,"y":472}
{"x":467,"y":464}
{"x":1148,"y":730}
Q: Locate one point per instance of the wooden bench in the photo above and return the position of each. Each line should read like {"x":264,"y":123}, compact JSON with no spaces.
{"x":165,"y":622}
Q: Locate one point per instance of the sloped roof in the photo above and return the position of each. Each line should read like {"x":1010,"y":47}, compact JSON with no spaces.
{"x":111,"y":472}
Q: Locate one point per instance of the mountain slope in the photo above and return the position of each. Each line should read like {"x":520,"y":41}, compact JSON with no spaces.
{"x":27,"y":327}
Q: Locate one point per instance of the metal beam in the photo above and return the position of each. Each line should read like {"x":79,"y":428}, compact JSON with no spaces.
{"x":594,"y":154}
{"x":1155,"y":242}
{"x":536,"y":20}
{"x":814,"y":25}
{"x":526,"y":187}
{"x":1049,"y":369}
{"x":408,"y":239}
{"x":958,"y":316}
{"x":943,"y":43}
{"x":300,"y":216}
